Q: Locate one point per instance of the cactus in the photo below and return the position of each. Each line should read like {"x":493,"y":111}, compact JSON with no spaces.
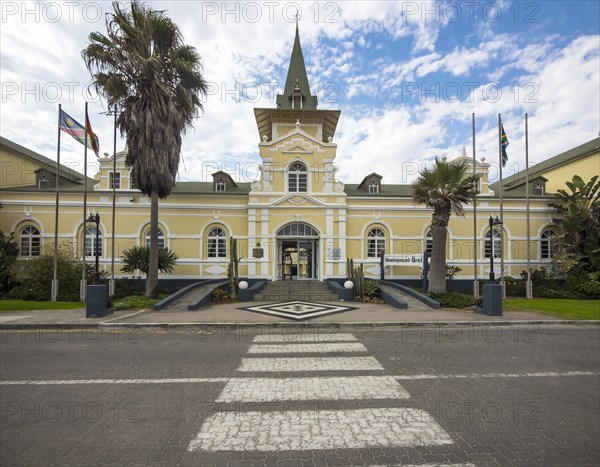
{"x":357,"y":276}
{"x":232,"y":269}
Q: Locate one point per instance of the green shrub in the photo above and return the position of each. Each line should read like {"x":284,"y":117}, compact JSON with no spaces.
{"x":452,"y":271}
{"x":9,"y":251}
{"x":219,"y":295}
{"x":547,"y":292}
{"x":453,"y":299}
{"x":514,"y":288}
{"x":35,"y":277}
{"x":371,"y":288}
{"x":127,"y":287}
{"x":136,"y":301}
{"x":590,"y":289}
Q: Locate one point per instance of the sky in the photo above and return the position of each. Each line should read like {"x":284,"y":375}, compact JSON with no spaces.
{"x":407,"y":77}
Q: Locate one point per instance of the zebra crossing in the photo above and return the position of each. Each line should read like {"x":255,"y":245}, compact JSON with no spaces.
{"x":294,"y":427}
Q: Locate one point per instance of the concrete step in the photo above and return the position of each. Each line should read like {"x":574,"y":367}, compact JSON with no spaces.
{"x":279,"y":297}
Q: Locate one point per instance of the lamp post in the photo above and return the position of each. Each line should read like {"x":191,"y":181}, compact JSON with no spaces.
{"x":96,"y":219}
{"x":492,"y":223}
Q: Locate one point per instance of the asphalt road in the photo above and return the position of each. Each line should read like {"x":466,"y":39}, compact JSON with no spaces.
{"x":487,"y":395}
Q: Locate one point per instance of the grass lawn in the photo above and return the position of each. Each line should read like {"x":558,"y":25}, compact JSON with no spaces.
{"x":563,"y":308}
{"x":13,"y":305}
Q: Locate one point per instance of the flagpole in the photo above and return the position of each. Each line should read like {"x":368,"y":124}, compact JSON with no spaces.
{"x":501,"y":208}
{"x":83,"y":273}
{"x":528,"y":286}
{"x":112,"y":259}
{"x":475,"y":249}
{"x":54,"y":293}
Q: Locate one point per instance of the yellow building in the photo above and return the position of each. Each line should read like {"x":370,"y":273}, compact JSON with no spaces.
{"x":305,"y":221}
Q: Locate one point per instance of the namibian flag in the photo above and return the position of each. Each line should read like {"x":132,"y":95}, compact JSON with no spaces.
{"x":77,"y":131}
{"x":504,"y":143}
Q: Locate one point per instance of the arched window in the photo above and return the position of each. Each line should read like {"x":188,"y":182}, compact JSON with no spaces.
{"x":429,"y":242}
{"x":220,"y":185}
{"x":548,"y":244}
{"x":90,"y":241}
{"x":44,"y":183}
{"x":217,"y":243}
{"x":373,"y":187}
{"x":297,"y":229}
{"x":375,"y":243}
{"x":497,"y":244}
{"x":161,"y":238}
{"x":30,"y":241}
{"x":297,"y":178}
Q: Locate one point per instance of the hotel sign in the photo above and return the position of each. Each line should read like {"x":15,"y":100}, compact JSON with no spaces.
{"x":403,"y":260}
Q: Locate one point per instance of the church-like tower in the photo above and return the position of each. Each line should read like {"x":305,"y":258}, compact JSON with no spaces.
{"x":297,"y":208}
{"x":296,"y":104}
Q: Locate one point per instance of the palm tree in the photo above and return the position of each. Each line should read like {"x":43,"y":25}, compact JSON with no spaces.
{"x":445,"y":188}
{"x":143,"y":67}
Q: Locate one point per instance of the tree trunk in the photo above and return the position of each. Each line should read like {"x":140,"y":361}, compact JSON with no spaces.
{"x":437,"y":270}
{"x":152,"y":278}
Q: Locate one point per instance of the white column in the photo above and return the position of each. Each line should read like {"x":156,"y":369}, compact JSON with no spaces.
{"x":264,"y":240}
{"x":342,"y":241}
{"x":329,"y":238}
{"x":251,"y":241}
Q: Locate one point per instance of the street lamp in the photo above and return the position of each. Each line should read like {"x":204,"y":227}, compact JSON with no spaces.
{"x":492,"y":223}
{"x":96,"y":219}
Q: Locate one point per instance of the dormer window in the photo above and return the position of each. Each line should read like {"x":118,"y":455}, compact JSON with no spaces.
{"x":220,"y":185}
{"x":43,"y":182}
{"x":538,"y":188}
{"x":373,"y":187}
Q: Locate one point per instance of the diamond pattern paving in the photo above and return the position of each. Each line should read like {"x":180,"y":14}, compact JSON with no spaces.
{"x":298,"y":310}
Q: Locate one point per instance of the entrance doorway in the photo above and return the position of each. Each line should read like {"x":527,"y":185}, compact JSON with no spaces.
{"x":298,"y":259}
{"x":297,"y":252}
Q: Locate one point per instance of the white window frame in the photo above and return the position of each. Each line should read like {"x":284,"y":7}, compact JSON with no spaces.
{"x":375,"y":242}
{"x":548,"y":246}
{"x":216,"y":246}
{"x":161,"y":239}
{"x":114,"y":179}
{"x":31,"y":242}
{"x":298,"y":178}
{"x":497,"y":244}
{"x":90,"y":241}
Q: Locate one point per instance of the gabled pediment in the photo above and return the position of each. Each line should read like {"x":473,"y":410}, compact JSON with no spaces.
{"x":297,"y":150}
{"x":297,"y":144}
{"x":297,"y":199}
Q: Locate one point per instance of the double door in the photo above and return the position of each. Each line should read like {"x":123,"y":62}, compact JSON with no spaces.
{"x":298,"y":259}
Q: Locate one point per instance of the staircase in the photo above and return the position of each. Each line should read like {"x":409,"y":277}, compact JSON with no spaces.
{"x":308,"y":291}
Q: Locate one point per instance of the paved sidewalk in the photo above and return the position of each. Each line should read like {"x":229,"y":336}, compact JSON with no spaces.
{"x":231,"y":313}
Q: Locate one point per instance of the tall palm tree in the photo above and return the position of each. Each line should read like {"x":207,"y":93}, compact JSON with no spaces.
{"x":445,"y":188}
{"x":143,"y":67}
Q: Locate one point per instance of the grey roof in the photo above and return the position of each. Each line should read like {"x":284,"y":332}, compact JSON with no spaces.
{"x":518,"y":179}
{"x":44,"y":162}
{"x":385,"y":191}
{"x":297,"y":76}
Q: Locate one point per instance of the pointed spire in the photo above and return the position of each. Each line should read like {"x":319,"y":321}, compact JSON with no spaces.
{"x":296,"y":93}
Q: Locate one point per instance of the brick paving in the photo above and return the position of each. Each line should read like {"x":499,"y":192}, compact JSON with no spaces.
{"x":505,"y":396}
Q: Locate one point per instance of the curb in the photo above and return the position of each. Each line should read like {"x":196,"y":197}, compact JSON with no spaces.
{"x":289,"y":325}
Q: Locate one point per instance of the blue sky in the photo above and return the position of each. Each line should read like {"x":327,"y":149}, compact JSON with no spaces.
{"x":407,"y":77}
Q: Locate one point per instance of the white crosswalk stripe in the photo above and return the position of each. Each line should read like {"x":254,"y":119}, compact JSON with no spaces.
{"x":293,"y":429}
{"x":307,"y":348}
{"x":321,"y":388}
{"x":315,"y":336}
{"x":313,"y":429}
{"x":310,"y":364}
